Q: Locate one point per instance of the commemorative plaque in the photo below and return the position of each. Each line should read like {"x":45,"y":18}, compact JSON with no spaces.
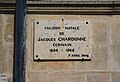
{"x":61,"y":38}
{"x":3,"y":78}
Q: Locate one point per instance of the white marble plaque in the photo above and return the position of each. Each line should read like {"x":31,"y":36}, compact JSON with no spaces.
{"x":61,"y":39}
{"x":3,"y":78}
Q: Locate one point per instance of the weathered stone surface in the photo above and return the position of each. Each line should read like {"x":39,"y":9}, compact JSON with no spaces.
{"x":115,"y":57}
{"x":1,"y":59}
{"x":115,"y":32}
{"x":99,"y":60}
{"x":10,"y":78}
{"x":0,"y":29}
{"x":9,"y":31}
{"x":38,"y":66}
{"x":98,"y":77}
{"x":7,"y":45}
{"x":78,"y":77}
{"x":8,"y":62}
{"x":1,"y":48}
{"x":0,"y":34}
{"x":51,"y":65}
{"x":101,"y":35}
{"x":1,"y":19}
{"x":100,"y":57}
{"x":99,"y":32}
{"x":116,"y":77}
{"x":55,"y":77}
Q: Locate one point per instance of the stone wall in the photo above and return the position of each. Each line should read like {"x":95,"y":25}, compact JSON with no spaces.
{"x":103,"y":67}
{"x":6,"y":45}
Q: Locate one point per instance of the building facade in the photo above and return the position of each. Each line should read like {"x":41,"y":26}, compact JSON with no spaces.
{"x":104,"y":40}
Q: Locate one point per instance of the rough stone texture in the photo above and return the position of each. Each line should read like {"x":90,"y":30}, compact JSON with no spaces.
{"x":115,"y":62}
{"x":9,"y":46}
{"x":100,"y":57}
{"x":9,"y":29}
{"x":99,"y":60}
{"x":38,"y":66}
{"x":0,"y":29}
{"x":51,"y":65}
{"x":1,"y":34}
{"x":99,"y":41}
{"x":98,"y":77}
{"x":105,"y":46}
{"x":1,"y":49}
{"x":6,"y":45}
{"x":115,"y":77}
{"x":115,"y":43}
{"x":9,"y":58}
{"x":1,"y":59}
{"x":56,"y":77}
{"x":115,"y":32}
{"x":8,"y":36}
{"x":99,"y":32}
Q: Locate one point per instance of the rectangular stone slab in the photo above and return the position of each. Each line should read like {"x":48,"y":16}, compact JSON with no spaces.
{"x":60,"y":37}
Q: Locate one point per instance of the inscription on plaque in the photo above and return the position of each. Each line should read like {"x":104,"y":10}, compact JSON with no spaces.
{"x":61,"y":39}
{"x":3,"y":78}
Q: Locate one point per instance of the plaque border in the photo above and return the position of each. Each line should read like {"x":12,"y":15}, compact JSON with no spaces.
{"x":45,"y":60}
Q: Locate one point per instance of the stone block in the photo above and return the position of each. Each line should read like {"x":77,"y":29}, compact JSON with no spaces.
{"x":10,"y":78}
{"x":99,"y":32}
{"x":9,"y":31}
{"x":115,"y":77}
{"x":51,"y":65}
{"x":8,"y":59}
{"x":59,"y":77}
{"x":0,"y":34}
{"x":1,"y":59}
{"x":115,"y":32}
{"x":55,"y":77}
{"x":1,"y":47}
{"x":37,"y":77}
{"x":115,"y":57}
{"x":116,"y":17}
{"x":98,"y":77}
{"x":1,"y":19}
{"x":0,"y":29}
{"x":77,"y":77}
{"x":99,"y":60}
